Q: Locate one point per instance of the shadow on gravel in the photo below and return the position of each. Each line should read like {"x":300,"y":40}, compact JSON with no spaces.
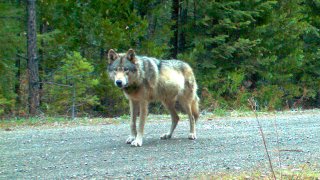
{"x":169,"y":143}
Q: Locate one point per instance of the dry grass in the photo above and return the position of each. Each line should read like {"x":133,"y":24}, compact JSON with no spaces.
{"x":303,"y":172}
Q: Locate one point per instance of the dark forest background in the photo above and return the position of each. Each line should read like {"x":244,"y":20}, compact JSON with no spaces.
{"x":269,"y":50}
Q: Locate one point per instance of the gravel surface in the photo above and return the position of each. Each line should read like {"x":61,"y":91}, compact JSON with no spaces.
{"x":224,"y":145}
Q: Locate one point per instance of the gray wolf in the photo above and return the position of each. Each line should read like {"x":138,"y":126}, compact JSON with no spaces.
{"x":145,"y":79}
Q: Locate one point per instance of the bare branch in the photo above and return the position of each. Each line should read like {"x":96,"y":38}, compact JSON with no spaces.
{"x":10,"y":17}
{"x":253,"y":105}
{"x":278,"y":144}
{"x":57,"y":84}
{"x":21,"y":56}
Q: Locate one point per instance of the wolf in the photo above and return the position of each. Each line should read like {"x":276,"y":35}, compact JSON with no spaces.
{"x":146,"y":79}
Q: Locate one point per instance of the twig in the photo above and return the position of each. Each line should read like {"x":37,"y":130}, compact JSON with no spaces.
{"x":53,"y":83}
{"x":278,"y":144}
{"x":21,"y":56}
{"x":253,"y":105}
{"x":10,"y":17}
{"x":290,"y":150}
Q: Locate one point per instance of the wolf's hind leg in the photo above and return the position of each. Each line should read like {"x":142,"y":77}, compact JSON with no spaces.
{"x":192,"y":134}
{"x":195,"y":108}
{"x":187,"y":107}
{"x":174,"y":119}
{"x":134,"y":110}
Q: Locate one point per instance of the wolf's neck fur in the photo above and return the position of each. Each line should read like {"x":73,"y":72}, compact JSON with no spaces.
{"x":131,"y":89}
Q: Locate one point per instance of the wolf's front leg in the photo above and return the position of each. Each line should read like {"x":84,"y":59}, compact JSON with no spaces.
{"x":143,"y":116}
{"x":134,"y":110}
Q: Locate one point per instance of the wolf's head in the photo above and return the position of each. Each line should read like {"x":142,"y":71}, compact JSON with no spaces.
{"x":122,"y":68}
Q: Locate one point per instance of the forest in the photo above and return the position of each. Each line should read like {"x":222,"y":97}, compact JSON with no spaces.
{"x":265,"y":49}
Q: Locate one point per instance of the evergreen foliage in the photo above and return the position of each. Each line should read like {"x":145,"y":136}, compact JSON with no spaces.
{"x":269,"y":49}
{"x":72,"y":83}
{"x":12,"y":44}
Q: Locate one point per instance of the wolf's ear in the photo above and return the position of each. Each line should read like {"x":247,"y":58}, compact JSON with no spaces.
{"x":112,"y":56}
{"x":131,"y":56}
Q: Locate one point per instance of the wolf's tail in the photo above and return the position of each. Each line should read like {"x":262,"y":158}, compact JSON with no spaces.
{"x":195,"y":108}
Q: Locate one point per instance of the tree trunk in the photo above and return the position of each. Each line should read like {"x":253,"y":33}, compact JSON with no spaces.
{"x":183,"y":21}
{"x":43,"y":65}
{"x":318,"y":100}
{"x":33,"y":69}
{"x":175,"y":27}
{"x":73,"y":101}
{"x":18,"y":75}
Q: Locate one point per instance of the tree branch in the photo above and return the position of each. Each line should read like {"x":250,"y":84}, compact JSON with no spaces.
{"x":21,"y":56}
{"x":53,"y":83}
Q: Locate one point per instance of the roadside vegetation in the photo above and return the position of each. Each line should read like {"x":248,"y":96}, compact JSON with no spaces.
{"x":306,"y":172}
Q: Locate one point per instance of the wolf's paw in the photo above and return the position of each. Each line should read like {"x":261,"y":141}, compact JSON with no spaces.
{"x":136,"y":143}
{"x":165,"y":136}
{"x":192,"y":136}
{"x":130,"y":139}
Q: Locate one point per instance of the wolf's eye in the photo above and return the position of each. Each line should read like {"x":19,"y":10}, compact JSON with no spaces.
{"x":125,"y":69}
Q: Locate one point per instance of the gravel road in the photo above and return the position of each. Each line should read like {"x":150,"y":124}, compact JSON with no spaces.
{"x":224,"y":145}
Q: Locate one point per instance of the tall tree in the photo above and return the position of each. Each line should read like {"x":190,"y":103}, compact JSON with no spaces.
{"x":287,"y":63}
{"x":222,"y":49}
{"x":33,"y":67}
{"x":175,"y":28}
{"x":71,"y":85}
{"x":311,"y":47}
{"x":11,"y":44}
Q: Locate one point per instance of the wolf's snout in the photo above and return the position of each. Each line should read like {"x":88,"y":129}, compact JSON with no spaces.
{"x":119,"y":83}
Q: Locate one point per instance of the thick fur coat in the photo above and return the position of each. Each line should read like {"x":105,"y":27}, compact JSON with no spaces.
{"x":145,"y":79}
